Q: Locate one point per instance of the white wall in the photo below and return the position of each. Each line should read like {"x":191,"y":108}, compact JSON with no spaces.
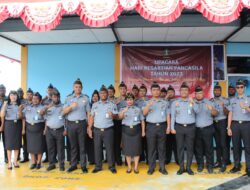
{"x":10,"y":49}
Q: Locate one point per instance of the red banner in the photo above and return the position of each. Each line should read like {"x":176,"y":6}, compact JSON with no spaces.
{"x":167,"y":65}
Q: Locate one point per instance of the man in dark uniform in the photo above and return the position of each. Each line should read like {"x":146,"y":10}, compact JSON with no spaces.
{"x":158,"y":125}
{"x":141,"y":102}
{"x":239,"y":126}
{"x":77,"y":109}
{"x":2,"y":99}
{"x":171,"y":141}
{"x":183,"y":112}
{"x":54,"y":131}
{"x":101,"y":128}
{"x":120,"y":103}
{"x":204,"y":131}
{"x":220,"y":125}
{"x":25,"y":102}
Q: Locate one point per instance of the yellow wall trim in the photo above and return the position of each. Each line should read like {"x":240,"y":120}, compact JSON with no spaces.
{"x":24,"y":64}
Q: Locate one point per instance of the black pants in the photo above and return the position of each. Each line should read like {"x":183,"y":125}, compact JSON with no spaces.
{"x":144,"y":154}
{"x":241,"y":131}
{"x":156,"y":143}
{"x":77,"y":136}
{"x":221,"y":141}
{"x":55,"y":145}
{"x":185,"y":137}
{"x":204,"y":145}
{"x":171,"y":147}
{"x":117,"y":140}
{"x":24,"y":147}
{"x":105,"y":137}
{"x":90,"y":149}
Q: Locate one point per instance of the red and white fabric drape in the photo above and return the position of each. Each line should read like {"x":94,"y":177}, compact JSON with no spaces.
{"x":45,"y":15}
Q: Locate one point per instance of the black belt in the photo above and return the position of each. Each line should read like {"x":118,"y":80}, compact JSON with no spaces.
{"x":132,"y":126}
{"x":32,"y":124}
{"x":201,"y":128}
{"x":217,"y":121}
{"x":56,"y":129}
{"x":14,"y":120}
{"x":241,"y":122}
{"x":185,"y":125}
{"x":103,"y":129}
{"x":77,"y":121}
{"x":157,"y":124}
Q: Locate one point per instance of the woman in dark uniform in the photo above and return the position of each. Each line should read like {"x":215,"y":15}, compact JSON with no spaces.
{"x":11,"y":115}
{"x":90,"y":142}
{"x":35,"y":124}
{"x":132,"y":130}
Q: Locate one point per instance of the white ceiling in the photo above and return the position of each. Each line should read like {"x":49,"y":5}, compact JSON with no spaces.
{"x":242,"y":36}
{"x":147,"y":34}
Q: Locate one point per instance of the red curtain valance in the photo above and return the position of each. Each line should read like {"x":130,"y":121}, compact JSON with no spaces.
{"x":44,"y":15}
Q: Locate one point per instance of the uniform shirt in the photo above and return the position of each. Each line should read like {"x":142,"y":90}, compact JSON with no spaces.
{"x":2,"y":101}
{"x":183,"y":112}
{"x":100,"y":111}
{"x":54,"y":117}
{"x":239,"y":114}
{"x":11,"y":112}
{"x":113,"y":100}
{"x":158,"y":111}
{"x":217,"y":101}
{"x":121,"y":104}
{"x":79,"y":112}
{"x":141,"y":102}
{"x":203,"y":117}
{"x":133,"y":116}
{"x":32,"y":113}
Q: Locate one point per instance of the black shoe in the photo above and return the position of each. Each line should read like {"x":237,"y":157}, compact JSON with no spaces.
{"x":229,"y":162}
{"x":163,"y":171}
{"x":62,"y":168}
{"x":96,"y":170}
{"x":113,"y":170}
{"x":217,"y":165}
{"x":136,"y":171}
{"x":24,"y":160}
{"x":129,"y":171}
{"x":180,"y":171}
{"x":210,"y":170}
{"x":45,"y":160}
{"x":38,"y":166}
{"x":72,"y":168}
{"x":33,"y":166}
{"x":151,"y":171}
{"x":91,"y":163}
{"x":51,"y":167}
{"x":223,"y":168}
{"x":84,"y":170}
{"x":248,"y":173}
{"x":190,"y":172}
{"x":200,"y":168}
{"x":234,"y":170}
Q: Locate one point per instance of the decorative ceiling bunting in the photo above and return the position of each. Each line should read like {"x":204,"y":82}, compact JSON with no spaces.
{"x":246,"y":3}
{"x":160,"y":10}
{"x":190,"y":4}
{"x":96,"y":13}
{"x":46,"y":15}
{"x":3,"y":13}
{"x":70,"y":6}
{"x":15,"y":9}
{"x":220,"y":11}
{"x":42,"y":17}
{"x":128,"y":4}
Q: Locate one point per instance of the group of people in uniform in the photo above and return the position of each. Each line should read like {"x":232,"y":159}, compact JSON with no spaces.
{"x":133,"y":125}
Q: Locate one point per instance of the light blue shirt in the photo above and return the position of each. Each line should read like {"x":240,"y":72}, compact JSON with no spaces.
{"x":204,"y":116}
{"x":217,"y":102}
{"x":100,"y":111}
{"x":133,"y":116}
{"x":239,"y":114}
{"x":32,"y":113}
{"x":141,"y":102}
{"x":158,"y":111}
{"x":11,"y":112}
{"x":80,"y":112}
{"x":183,"y":112}
{"x":54,"y":117}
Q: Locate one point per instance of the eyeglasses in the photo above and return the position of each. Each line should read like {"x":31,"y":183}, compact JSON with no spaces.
{"x":240,"y":87}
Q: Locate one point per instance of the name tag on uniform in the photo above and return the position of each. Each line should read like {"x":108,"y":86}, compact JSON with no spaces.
{"x":189,"y":112}
{"x":162,"y":113}
{"x":60,"y":117}
{"x":36,"y":117}
{"x":107,"y":115}
{"x":135,"y":118}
